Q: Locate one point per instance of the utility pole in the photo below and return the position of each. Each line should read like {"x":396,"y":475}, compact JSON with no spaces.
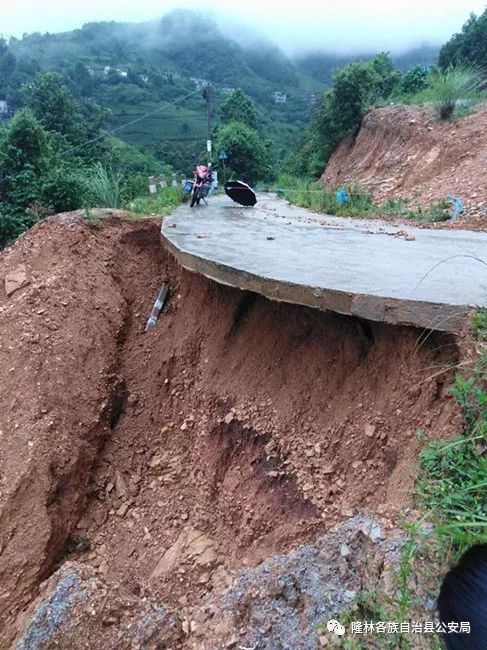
{"x":207,"y":96}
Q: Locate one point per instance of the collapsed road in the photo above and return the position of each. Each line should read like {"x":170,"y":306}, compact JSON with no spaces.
{"x":369,"y":269}
{"x":230,"y":478}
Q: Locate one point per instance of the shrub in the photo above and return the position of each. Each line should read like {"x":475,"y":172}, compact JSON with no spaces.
{"x":12,"y":224}
{"x":448,"y":87}
{"x":62,"y":191}
{"x":438,"y":211}
{"x":133,"y":186}
{"x":479,"y":324}
{"x":310,"y":194}
{"x":415,"y":80}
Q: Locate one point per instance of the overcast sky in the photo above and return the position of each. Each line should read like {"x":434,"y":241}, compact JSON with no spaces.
{"x":293,"y":24}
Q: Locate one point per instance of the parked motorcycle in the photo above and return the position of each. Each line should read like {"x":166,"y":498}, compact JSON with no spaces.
{"x":201,"y":185}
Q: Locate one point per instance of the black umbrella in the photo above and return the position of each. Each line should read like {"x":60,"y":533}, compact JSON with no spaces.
{"x":241,"y":193}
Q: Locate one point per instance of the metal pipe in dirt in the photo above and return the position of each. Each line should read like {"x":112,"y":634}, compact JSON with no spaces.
{"x":158,"y":305}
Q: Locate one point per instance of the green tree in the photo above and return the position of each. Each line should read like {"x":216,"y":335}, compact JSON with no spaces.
{"x":469,"y":46}
{"x":389,"y":76}
{"x":339,"y":114}
{"x":239,"y":108}
{"x":75,"y":130}
{"x":24,"y":158}
{"x":23,"y":143}
{"x":248,"y":155}
{"x":82,"y":80}
{"x":55,"y":108}
{"x":354,"y":87}
{"x":7,"y":67}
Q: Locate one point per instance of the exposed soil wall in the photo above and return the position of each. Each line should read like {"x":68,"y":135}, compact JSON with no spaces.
{"x":405,"y":152}
{"x":236,"y":429}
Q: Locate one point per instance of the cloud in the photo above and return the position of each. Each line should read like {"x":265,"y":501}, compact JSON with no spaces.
{"x":345,"y":26}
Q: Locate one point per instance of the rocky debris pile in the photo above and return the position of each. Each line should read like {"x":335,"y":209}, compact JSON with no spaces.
{"x":285,"y":602}
{"x":79,"y":609}
{"x":282,"y":604}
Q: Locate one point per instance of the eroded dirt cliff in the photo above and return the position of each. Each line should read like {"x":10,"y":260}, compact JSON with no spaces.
{"x":405,"y":152}
{"x":169,"y":462}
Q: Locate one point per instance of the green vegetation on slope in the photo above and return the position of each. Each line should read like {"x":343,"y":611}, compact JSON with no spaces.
{"x":355,"y":89}
{"x":361,"y":86}
{"x":469,"y":46}
{"x":451,"y":489}
{"x":53,"y":159}
{"x":453,"y":486}
{"x":135,"y":69}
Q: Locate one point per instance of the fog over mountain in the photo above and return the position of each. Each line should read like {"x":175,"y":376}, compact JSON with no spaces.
{"x":350,"y":26}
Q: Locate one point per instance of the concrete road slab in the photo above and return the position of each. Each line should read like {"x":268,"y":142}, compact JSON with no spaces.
{"x":365,"y":268}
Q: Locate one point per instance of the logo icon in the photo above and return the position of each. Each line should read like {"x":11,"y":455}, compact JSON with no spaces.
{"x":335,"y":626}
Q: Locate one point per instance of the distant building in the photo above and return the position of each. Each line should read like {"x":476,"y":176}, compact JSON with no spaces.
{"x":200,"y":83}
{"x":226,"y":90}
{"x":279,"y":98}
{"x":145,"y":78}
{"x":170,"y":76}
{"x":121,"y":73}
{"x":312,"y":99}
{"x":5,"y":110}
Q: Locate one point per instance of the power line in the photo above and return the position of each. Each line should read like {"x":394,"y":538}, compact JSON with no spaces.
{"x":124,"y":126}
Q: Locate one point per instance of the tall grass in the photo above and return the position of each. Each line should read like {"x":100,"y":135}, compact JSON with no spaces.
{"x":159,"y":204}
{"x":103,"y":186}
{"x":310,"y":194}
{"x":448,"y":89}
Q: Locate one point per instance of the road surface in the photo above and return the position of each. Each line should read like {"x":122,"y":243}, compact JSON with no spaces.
{"x":365,"y":268}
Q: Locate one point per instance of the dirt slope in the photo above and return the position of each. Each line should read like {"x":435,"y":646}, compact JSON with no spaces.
{"x":404,"y":152}
{"x":234,"y":430}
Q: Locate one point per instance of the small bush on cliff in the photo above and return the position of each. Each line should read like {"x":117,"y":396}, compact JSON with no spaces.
{"x":447,"y":88}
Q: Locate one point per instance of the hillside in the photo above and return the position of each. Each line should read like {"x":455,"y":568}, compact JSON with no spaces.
{"x":135,"y":69}
{"x":403,"y":152}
